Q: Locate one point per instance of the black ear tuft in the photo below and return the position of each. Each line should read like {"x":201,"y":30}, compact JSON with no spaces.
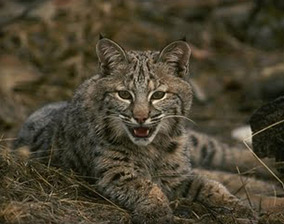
{"x":101,"y":36}
{"x":183,"y":38}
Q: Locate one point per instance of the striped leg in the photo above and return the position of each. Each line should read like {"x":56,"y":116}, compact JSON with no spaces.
{"x":261,"y":194}
{"x":213,"y":194}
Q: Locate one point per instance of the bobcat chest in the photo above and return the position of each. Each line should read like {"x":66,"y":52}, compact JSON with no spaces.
{"x":169,"y":170}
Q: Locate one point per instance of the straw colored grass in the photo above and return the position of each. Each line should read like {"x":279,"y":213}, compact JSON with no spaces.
{"x":31,"y":192}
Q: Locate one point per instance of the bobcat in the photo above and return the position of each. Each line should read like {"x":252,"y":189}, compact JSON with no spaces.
{"x":124,"y":128}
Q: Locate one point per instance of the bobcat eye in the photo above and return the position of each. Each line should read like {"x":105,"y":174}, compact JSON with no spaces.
{"x":158,"y":95}
{"x":124,"y":95}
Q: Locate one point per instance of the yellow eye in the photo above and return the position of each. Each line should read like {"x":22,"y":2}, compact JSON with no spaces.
{"x":158,"y":95}
{"x":124,"y":95}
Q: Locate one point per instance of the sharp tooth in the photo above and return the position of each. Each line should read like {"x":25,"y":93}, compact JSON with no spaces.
{"x":141,"y":132}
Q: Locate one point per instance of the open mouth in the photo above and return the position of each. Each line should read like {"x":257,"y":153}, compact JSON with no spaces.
{"x":142,"y":135}
{"x":141,"y":132}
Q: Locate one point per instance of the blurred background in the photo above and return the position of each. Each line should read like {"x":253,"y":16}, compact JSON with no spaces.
{"x":47,"y":48}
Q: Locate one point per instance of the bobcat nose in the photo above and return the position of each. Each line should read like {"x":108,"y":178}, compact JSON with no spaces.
{"x":140,"y":118}
{"x":140,"y":112}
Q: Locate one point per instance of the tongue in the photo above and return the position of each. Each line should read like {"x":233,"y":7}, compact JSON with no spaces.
{"x":141,"y":132}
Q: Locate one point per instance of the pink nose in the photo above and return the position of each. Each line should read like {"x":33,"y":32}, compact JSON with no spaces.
{"x":140,"y":118}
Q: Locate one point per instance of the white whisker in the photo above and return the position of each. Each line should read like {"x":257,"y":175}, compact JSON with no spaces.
{"x":179,"y":116}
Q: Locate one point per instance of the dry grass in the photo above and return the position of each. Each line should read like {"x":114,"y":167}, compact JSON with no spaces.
{"x":258,"y":159}
{"x":34,"y":193}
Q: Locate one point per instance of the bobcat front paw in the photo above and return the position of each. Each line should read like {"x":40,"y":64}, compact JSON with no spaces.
{"x":152,"y":215}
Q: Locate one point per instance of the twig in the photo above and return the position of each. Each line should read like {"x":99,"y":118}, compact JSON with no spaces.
{"x":253,"y":153}
{"x":244,"y":185}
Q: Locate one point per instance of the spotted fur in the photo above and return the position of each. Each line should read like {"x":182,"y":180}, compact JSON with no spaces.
{"x":124,"y":128}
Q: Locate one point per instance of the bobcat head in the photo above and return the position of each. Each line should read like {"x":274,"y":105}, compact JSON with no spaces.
{"x":142,"y":94}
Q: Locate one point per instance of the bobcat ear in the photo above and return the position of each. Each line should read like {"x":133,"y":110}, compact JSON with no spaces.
{"x":176,"y":55}
{"x":110,"y":55}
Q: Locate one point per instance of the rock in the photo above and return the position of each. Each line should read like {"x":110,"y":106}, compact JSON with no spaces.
{"x":267,"y":125}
